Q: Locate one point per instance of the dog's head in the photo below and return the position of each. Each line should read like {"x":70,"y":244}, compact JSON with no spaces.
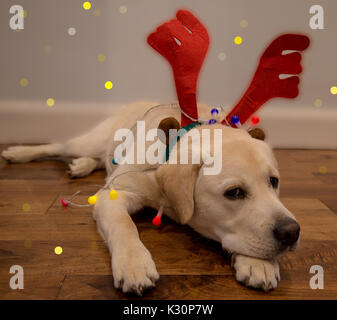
{"x":239,"y":206}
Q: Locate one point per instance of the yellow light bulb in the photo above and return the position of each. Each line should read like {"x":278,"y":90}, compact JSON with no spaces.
{"x":92,"y":200}
{"x":113,"y":194}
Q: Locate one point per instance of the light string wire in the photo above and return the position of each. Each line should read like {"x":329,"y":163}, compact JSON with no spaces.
{"x":110,"y":181}
{"x":107,"y":186}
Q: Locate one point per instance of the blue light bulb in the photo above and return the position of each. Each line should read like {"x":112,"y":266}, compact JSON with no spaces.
{"x":235,"y":119}
{"x":214,"y":112}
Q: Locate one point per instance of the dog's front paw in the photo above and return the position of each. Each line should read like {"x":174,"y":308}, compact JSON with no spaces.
{"x":256,"y":273}
{"x":133,"y":269}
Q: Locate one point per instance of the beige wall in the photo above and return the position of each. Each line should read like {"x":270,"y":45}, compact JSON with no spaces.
{"x":71,"y":72}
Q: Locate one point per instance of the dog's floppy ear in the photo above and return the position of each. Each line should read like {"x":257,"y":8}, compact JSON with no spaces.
{"x":257,"y":133}
{"x":177,"y":183}
{"x":166,"y":125}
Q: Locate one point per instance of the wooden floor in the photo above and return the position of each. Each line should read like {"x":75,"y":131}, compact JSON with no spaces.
{"x":33,"y":223}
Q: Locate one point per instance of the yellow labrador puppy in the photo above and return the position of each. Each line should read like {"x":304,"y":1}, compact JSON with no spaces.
{"x":237,"y":204}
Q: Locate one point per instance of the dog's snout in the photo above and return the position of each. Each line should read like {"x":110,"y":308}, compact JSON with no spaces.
{"x":286,"y":231}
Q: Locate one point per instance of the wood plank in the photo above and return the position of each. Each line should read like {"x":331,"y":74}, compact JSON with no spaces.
{"x":196,"y":287}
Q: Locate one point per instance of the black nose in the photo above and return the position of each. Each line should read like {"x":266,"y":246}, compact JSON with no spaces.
{"x":286,"y":231}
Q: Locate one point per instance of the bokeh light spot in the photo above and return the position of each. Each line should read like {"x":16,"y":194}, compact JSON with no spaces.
{"x":50,"y":102}
{"x":243,"y":23}
{"x":23,"y":82}
{"x":333,"y":90}
{"x":58,"y":250}
{"x":323,"y":170}
{"x":222,"y":56}
{"x":101,"y":57}
{"x":26,"y":207}
{"x":27,"y":243}
{"x":318,"y":103}
{"x":109,"y":85}
{"x":97,"y":13}
{"x":47,"y":48}
{"x":238,"y":40}
{"x":123,"y":9}
{"x":86,"y":5}
{"x":71,"y":31}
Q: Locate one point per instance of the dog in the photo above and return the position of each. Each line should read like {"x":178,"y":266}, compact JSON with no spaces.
{"x":238,"y":207}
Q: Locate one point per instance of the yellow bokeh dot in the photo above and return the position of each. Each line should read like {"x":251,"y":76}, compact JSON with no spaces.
{"x":322,"y":170}
{"x":109,"y":85}
{"x":23,"y":82}
{"x":86,"y":5}
{"x":50,"y":102}
{"x":243,"y":23}
{"x":123,"y":9}
{"x":333,"y":90}
{"x":97,"y":13}
{"x":101,"y":57}
{"x":27,"y":243}
{"x":26,"y":207}
{"x":238,"y":40}
{"x":318,"y":103}
{"x":58,"y":250}
{"x":47,"y":48}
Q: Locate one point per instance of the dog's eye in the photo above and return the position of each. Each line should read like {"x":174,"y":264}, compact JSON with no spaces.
{"x":274,"y":182}
{"x":235,"y":194}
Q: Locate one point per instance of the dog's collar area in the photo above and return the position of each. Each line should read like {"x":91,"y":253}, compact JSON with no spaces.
{"x":175,"y":140}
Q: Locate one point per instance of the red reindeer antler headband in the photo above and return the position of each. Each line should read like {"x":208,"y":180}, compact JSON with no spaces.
{"x":184,"y":43}
{"x":266,"y":83}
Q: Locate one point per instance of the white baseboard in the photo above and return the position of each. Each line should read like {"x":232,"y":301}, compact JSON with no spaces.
{"x":35,"y":122}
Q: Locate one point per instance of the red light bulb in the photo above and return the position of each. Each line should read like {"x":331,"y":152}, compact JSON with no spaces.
{"x":255,"y":120}
{"x":156,"y":220}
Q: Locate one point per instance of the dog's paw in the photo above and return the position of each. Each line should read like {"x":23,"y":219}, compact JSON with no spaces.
{"x":19,"y":154}
{"x":256,"y":273}
{"x":134,"y":270}
{"x":82,"y":167}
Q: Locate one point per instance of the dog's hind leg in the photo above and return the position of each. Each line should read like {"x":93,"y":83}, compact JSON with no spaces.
{"x":21,"y":154}
{"x":82,"y":167}
{"x":89,"y":148}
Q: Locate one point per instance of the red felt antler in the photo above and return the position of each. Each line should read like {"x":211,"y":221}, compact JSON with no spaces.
{"x":266,"y":83}
{"x":186,"y":56}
